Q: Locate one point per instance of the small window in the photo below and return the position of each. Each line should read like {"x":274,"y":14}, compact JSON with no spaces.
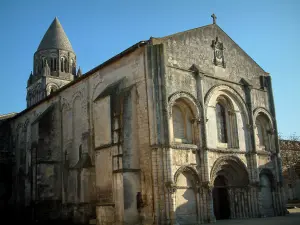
{"x":43,"y":62}
{"x":53,"y":64}
{"x":62,"y":64}
{"x":66,"y":66}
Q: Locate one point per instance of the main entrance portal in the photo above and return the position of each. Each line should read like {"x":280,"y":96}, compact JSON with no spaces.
{"x":230,"y":188}
{"x":221,"y":199}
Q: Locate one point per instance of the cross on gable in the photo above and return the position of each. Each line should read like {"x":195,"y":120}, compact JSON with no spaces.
{"x":214,"y":18}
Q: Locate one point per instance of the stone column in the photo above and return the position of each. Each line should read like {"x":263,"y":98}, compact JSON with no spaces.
{"x":210,"y":205}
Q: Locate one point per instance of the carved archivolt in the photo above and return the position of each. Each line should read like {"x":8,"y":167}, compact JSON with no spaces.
{"x":231,"y":161}
{"x":270,"y":175}
{"x":187,"y":169}
{"x":189,"y":99}
{"x":51,"y":86}
{"x":77,"y":94}
{"x":261,"y":110}
{"x":233,"y":94}
{"x":267,"y":172}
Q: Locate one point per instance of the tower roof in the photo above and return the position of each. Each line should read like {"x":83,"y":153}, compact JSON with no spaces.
{"x":55,"y":38}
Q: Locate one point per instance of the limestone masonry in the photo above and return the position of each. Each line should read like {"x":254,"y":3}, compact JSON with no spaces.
{"x":173,"y":130}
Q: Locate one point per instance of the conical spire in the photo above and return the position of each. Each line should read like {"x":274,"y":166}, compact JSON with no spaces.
{"x":55,"y":38}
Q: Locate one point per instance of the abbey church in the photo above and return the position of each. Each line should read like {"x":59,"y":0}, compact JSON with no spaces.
{"x":179,"y":129}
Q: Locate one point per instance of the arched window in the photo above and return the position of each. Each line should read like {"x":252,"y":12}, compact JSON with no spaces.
{"x":73,"y":66}
{"x":226,"y":123}
{"x":43,"y":62}
{"x":182,"y":123}
{"x":263,"y":129}
{"x":62,"y":64}
{"x":221,"y":123}
{"x":66,"y":66}
{"x":53,"y":64}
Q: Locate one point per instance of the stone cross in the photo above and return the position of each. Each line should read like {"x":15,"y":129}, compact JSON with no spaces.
{"x":214,"y":18}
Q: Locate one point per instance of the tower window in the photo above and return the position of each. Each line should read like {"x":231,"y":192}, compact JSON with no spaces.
{"x":66,"y":65}
{"x":43,"y":62}
{"x":62,"y":64}
{"x":53,"y":64}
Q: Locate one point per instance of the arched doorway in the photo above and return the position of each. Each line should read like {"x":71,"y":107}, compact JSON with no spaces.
{"x":186,"y":197}
{"x":230,"y":181}
{"x":221,"y":198}
{"x":266,"y":194}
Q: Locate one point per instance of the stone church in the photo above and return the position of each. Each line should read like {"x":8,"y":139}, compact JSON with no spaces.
{"x":179,"y":129}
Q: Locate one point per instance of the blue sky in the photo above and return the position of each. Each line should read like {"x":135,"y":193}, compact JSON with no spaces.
{"x":267,"y":30}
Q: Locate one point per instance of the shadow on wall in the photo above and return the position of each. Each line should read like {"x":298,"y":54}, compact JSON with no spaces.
{"x":234,"y":196}
{"x":269,"y":188}
{"x":186,"y":212}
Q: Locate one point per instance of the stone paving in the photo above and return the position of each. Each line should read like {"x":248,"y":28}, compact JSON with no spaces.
{"x":291,"y":219}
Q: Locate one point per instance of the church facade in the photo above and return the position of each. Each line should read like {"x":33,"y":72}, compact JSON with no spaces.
{"x":173,"y":130}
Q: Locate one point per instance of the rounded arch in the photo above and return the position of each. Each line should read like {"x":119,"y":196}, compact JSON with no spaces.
{"x":51,"y":87}
{"x":267,"y":172}
{"x":216,"y":91}
{"x":65,"y":104}
{"x":232,"y":168}
{"x":262,"y":111}
{"x":189,"y":170}
{"x":76,"y":95}
{"x":186,"y":207}
{"x":189,"y":99}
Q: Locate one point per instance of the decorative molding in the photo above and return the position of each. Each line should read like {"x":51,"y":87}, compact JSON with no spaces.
{"x":218,"y":164}
{"x":264,"y":111}
{"x":228,"y":150}
{"x":232,"y":93}
{"x":191,"y":100}
{"x":171,"y":187}
{"x":183,"y":146}
{"x":124,"y":170}
{"x":189,"y":169}
{"x":65,"y":105}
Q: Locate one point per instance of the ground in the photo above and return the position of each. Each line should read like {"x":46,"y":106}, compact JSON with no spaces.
{"x":291,"y":219}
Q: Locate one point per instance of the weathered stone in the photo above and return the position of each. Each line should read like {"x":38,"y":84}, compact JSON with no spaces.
{"x":173,"y":130}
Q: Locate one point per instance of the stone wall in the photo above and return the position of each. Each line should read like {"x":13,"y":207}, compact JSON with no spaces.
{"x":191,"y":72}
{"x":107,"y":147}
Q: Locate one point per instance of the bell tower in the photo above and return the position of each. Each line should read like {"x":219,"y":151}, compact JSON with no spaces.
{"x":54,"y":64}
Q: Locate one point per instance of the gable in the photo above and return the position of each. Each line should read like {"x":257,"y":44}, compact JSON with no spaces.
{"x":197,"y":46}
